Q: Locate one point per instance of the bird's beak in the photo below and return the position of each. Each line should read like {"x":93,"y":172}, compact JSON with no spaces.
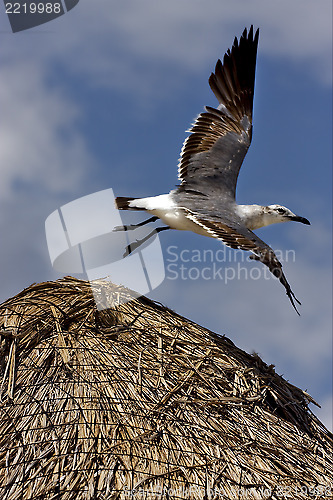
{"x":303,"y":220}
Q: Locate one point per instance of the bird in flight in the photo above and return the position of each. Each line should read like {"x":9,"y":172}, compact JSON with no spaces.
{"x":208,"y":168}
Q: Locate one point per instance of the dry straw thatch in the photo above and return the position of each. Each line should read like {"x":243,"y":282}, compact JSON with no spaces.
{"x":138,"y":402}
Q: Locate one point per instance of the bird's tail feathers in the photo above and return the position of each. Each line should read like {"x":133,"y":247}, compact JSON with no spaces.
{"x":122,"y":203}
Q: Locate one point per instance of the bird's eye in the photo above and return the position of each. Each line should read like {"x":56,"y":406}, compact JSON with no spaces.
{"x":280,"y":210}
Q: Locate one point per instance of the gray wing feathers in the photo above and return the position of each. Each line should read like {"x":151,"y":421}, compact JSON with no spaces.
{"x":215,"y":148}
{"x":230,"y":230}
{"x":220,"y":137}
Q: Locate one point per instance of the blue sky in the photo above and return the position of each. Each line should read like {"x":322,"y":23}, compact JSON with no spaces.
{"x":101,"y":97}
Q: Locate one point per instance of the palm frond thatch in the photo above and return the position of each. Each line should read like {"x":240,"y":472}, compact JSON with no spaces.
{"x":138,"y":402}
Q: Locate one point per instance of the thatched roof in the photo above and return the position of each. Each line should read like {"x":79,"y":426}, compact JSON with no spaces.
{"x":137,"y":400}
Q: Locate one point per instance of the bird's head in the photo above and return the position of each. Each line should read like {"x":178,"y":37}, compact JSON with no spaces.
{"x":278,"y":213}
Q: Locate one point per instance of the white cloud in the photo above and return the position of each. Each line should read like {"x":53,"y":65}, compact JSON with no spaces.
{"x":189,"y":35}
{"x":40,"y":143}
{"x":185,"y":31}
{"x":145,"y":47}
{"x":44,"y":163}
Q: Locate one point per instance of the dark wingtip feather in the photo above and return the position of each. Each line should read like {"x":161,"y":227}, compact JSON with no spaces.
{"x":290,"y":293}
{"x":291,"y":297}
{"x":233,"y":80}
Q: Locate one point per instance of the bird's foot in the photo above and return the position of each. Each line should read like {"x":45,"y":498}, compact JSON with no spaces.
{"x":125,"y":228}
{"x":131,"y":247}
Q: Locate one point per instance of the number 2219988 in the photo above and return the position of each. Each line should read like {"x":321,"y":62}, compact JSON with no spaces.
{"x":33,"y":8}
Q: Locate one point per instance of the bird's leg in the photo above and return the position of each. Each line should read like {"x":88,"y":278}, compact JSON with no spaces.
{"x":133,"y":246}
{"x":134,"y":226}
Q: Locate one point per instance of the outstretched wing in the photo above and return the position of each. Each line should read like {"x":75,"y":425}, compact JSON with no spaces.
{"x":213,"y":154}
{"x":235,"y":235}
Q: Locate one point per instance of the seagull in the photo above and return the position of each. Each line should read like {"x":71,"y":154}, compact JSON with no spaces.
{"x":204,"y":201}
